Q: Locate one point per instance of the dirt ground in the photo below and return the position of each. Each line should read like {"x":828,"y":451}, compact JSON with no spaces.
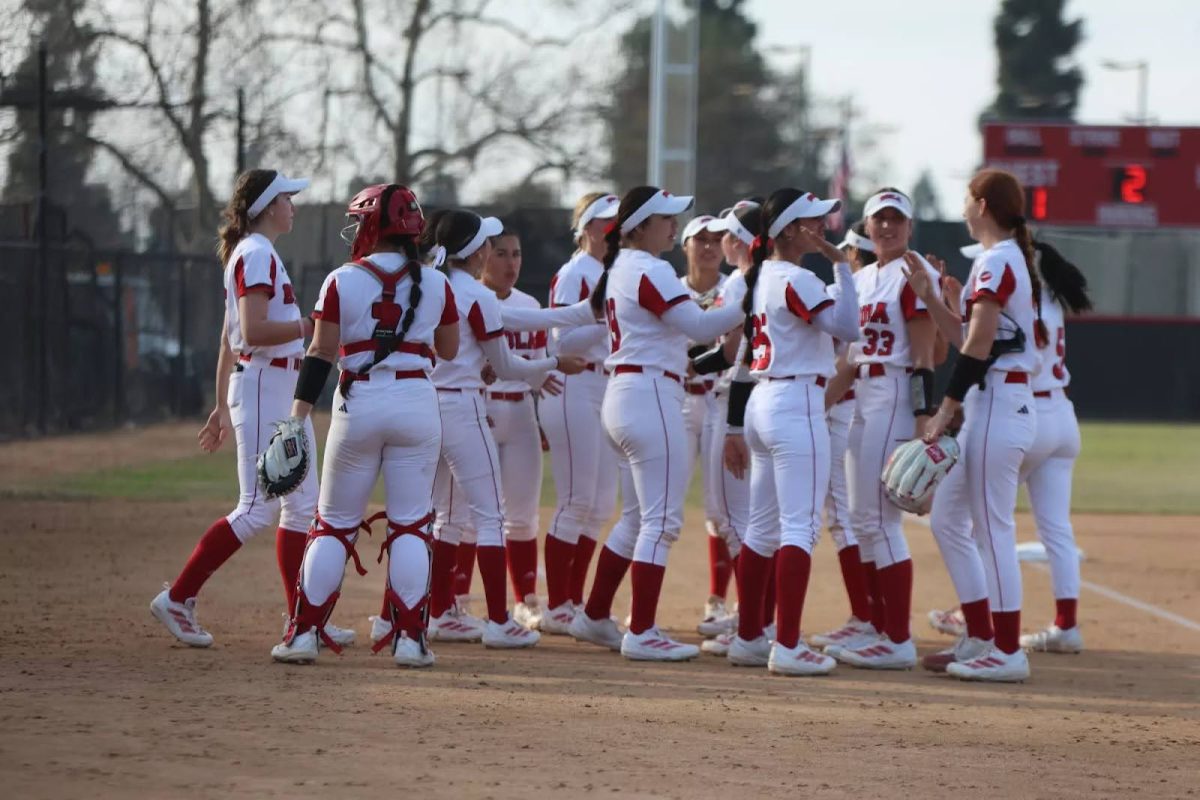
{"x":98,"y":700}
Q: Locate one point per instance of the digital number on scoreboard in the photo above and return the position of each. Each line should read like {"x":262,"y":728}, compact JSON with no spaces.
{"x":1109,"y":177}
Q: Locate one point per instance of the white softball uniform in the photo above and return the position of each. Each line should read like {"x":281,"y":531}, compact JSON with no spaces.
{"x":883,"y":413}
{"x":837,"y":502}
{"x":729,"y":510}
{"x":700,"y":412}
{"x":261,"y":388}
{"x":972,"y":515}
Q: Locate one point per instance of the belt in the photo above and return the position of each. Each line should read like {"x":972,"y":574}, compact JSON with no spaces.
{"x":698,"y":388}
{"x":592,"y":366}
{"x":512,"y":397}
{"x":626,"y":368}
{"x":819,"y":380}
{"x":400,"y":375}
{"x":1016,"y":377}
{"x":876,"y":370}
{"x":281,"y":363}
{"x":1050,"y":393}
{"x":847,"y":397}
{"x":458,"y":391}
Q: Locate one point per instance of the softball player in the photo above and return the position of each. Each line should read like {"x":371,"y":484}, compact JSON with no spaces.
{"x":262,"y":341}
{"x":972,"y":515}
{"x":383,"y":316}
{"x":791,"y":317}
{"x":893,"y":400}
{"x":650,"y":319}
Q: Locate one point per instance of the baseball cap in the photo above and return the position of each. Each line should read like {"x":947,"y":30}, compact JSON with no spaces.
{"x":704,"y":222}
{"x":731,"y":220}
{"x":605,"y":207}
{"x":806,"y":206}
{"x":280,"y":184}
{"x":971,"y":251}
{"x":661,"y":202}
{"x":888,"y":199}
{"x":853,"y":239}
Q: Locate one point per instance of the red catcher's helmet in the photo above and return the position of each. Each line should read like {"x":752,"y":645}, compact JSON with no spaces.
{"x":384,"y":210}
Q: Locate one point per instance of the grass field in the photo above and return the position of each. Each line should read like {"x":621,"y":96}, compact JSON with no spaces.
{"x":1124,"y":469}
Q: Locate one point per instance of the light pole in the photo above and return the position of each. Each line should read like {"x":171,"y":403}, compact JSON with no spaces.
{"x":1143,"y":68}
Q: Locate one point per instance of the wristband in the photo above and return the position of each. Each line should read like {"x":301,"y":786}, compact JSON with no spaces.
{"x":711,"y":361}
{"x":311,"y":381}
{"x":968,"y":372}
{"x":920,"y":387}
{"x":739,"y":395}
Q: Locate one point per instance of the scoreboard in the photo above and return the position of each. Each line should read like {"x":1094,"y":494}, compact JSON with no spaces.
{"x":1101,"y":176}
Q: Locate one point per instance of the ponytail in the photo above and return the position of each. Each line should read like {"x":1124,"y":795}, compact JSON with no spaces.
{"x":758,"y":254}
{"x":612,"y":246}
{"x":1064,"y":280}
{"x":235,"y":217}
{"x":1025,"y":242}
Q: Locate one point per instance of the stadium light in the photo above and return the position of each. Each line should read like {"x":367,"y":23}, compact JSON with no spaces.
{"x":1143,"y":68}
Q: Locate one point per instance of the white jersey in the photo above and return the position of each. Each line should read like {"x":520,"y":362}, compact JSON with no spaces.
{"x":524,"y":344}
{"x":641,"y":288}
{"x":733,"y":292}
{"x":352,"y":297}
{"x":1053,"y":374}
{"x":254,"y":266}
{"x":705,"y":300}
{"x":886,"y":304}
{"x":786,"y":343}
{"x":478,"y":320}
{"x":574,"y":282}
{"x":1000,"y":274}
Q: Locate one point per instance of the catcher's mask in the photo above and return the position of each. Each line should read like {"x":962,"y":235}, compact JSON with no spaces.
{"x":378,"y":212}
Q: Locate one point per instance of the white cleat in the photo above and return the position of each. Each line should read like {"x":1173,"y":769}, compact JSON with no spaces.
{"x":301,"y":650}
{"x":602,"y":632}
{"x":950,"y":622}
{"x":1054,"y":640}
{"x":653,"y":645}
{"x":798,"y":660}
{"x":454,"y":626}
{"x":557,"y":620}
{"x":883,"y":654}
{"x":717,"y":618}
{"x":742,"y":653}
{"x":409,"y":653}
{"x":718,"y":645}
{"x":965,"y":649}
{"x":996,"y":666}
{"x":180,"y":619}
{"x":380,"y":628}
{"x":342,"y":637}
{"x":509,"y":635}
{"x":852,"y":631}
{"x":529,"y":613}
{"x":769,"y":631}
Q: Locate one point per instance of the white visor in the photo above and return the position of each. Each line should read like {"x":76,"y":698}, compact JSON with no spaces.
{"x":488,"y":227}
{"x":605,"y":207}
{"x":730,"y":222}
{"x":661,"y":202}
{"x":806,"y":206}
{"x":279,"y":185}
{"x":702,"y":223}
{"x":971,"y":251}
{"x":884,"y":200}
{"x":857,"y":242}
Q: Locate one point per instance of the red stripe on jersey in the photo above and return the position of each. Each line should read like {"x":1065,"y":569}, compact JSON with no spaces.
{"x":449,"y":310}
{"x":652,"y":300}
{"x":908,"y":304}
{"x":1008,"y":284}
{"x":553,"y":283}
{"x":331,"y":307}
{"x":797,"y":307}
{"x":475,"y":320}
{"x":239,"y":281}
{"x":584,"y":291}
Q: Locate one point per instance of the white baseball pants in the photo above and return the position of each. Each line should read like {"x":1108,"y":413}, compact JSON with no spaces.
{"x":1046,"y":473}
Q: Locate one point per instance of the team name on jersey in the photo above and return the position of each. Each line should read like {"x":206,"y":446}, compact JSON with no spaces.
{"x":876,"y":313}
{"x":525,"y":340}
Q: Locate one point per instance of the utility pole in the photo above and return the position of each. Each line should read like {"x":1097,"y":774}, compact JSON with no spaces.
{"x":43,"y":260}
{"x":241,"y":131}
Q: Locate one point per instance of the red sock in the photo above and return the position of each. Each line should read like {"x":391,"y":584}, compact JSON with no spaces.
{"x":792,"y":567}
{"x":979,"y":619}
{"x":878,"y":620}
{"x":769,"y":594}
{"x":737,"y":581}
{"x":289,"y":552}
{"x":579,"y":568}
{"x":719,"y":567}
{"x":522,"y":568}
{"x":1008,"y":630}
{"x":491,"y":570}
{"x":558,"y":555}
{"x":896,"y":583}
{"x":855,"y":578}
{"x":214,"y":548}
{"x":752,"y":587}
{"x":610,"y":571}
{"x":441,"y":577}
{"x":464,"y":568}
{"x":1065,"y":612}
{"x":645,"y":581}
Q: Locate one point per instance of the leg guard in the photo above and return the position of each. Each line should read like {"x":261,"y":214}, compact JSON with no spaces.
{"x":412,"y":621}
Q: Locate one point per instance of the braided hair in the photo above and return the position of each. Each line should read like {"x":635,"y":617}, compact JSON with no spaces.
{"x":634,"y":199}
{"x":775,"y":205}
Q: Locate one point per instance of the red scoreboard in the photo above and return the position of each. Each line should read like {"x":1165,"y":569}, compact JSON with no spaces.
{"x":1101,"y":176}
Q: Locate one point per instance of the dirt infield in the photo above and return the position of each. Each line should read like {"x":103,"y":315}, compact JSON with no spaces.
{"x":98,"y":701}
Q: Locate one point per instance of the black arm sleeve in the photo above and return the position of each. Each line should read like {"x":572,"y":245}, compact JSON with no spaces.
{"x":920,"y":387}
{"x":311,"y":381}
{"x":968,"y":372}
{"x":739,"y":395}
{"x":710,"y":361}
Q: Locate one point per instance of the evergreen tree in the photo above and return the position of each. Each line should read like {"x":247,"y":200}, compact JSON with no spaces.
{"x":925,"y":198}
{"x":1036,"y":79}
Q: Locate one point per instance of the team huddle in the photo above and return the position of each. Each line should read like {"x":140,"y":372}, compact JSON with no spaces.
{"x":793,"y":397}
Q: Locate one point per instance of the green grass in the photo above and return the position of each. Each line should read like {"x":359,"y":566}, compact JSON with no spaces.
{"x":1125,"y":468}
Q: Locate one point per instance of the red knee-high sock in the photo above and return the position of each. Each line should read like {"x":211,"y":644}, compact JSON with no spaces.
{"x":579,"y":568}
{"x":979,"y":619}
{"x":1008,"y":630}
{"x":491,"y":570}
{"x":720,"y":568}
{"x":464,"y":568}
{"x":289,"y":552}
{"x":1065,"y":609}
{"x":559,"y":556}
{"x":896,"y":583}
{"x":441,"y":578}
{"x":522,"y":567}
{"x":792,"y":567}
{"x":214,"y":548}
{"x":769,"y":595}
{"x":878,"y":619}
{"x":645,"y":581}
{"x":752,"y":588}
{"x":610,"y":571}
{"x":855,"y":578}
{"x":737,"y":579}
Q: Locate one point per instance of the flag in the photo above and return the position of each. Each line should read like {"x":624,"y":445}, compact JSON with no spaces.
{"x":839,"y":184}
